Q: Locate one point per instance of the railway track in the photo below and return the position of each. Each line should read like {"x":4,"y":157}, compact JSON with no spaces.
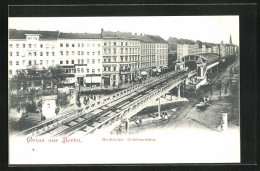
{"x":108,"y":110}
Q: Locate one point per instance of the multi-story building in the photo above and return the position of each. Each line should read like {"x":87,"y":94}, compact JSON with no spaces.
{"x":184,"y":49}
{"x":80,"y":55}
{"x":32,"y":48}
{"x":109,"y":58}
{"x":121,"y":56}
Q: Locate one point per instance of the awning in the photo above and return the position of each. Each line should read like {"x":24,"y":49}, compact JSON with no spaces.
{"x":143,"y":73}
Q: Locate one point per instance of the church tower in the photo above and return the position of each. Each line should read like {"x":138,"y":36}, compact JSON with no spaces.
{"x":230,"y":40}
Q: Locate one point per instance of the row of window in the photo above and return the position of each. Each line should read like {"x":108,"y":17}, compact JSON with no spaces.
{"x":154,"y":46}
{"x":33,"y":62}
{"x":122,"y":50}
{"x":32,"y":45}
{"x":79,"y":53}
{"x":80,"y":61}
{"x":79,"y":70}
{"x":78,"y":45}
{"x":122,"y":59}
{"x":135,"y":43}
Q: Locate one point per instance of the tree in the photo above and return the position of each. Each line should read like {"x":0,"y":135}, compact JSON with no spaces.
{"x":56,"y":75}
{"x":18,"y":81}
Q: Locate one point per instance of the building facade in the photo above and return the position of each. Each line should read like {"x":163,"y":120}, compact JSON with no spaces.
{"x":32,"y":48}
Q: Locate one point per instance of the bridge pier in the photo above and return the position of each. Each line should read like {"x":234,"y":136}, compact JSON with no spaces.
{"x":179,"y":91}
{"x":127,"y":126}
{"x":159,"y":107}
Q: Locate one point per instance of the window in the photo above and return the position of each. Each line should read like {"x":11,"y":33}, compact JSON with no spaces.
{"x":98,"y":70}
{"x":105,"y":68}
{"x":93,"y":61}
{"x":41,"y":53}
{"x":52,"y":62}
{"x":109,"y":60}
{"x":73,"y":45}
{"x":72,"y":61}
{"x":122,"y":43}
{"x":98,"y":52}
{"x":114,"y":68}
{"x":82,"y":52}
{"x":35,"y":53}
{"x":17,"y":45}
{"x":73,"y":52}
{"x":35,"y":62}
{"x":126,"y":43}
{"x":78,"y":44}
{"x":114,"y":50}
{"x":93,"y":70}
{"x":53,"y":53}
{"x":10,"y":72}
{"x":47,"y":53}
{"x":61,"y":62}
{"x":29,"y":62}
{"x":30,"y":54}
{"x":109,"y":43}
{"x":78,"y":61}
{"x":67,"y":53}
{"x":78,"y":70}
{"x":114,"y":43}
{"x":30,"y":45}
{"x":82,"y":70}
{"x":87,"y":70}
{"x":47,"y":46}
{"x":10,"y":62}
{"x":67,"y":45}
{"x":108,"y":68}
{"x":11,"y":53}
{"x":114,"y":77}
{"x":122,"y":50}
{"x":61,"y":45}
{"x":82,"y":61}
{"x":11,"y":45}
{"x":87,"y":53}
{"x":98,"y":45}
{"x":78,"y":52}
{"x":23,"y":61}
{"x":67,"y":62}
{"x":17,"y":53}
{"x":41,"y":45}
{"x":105,"y":43}
{"x":40,"y":62}
{"x":52,"y":46}
{"x":23,"y":45}
{"x":99,"y":61}
{"x":114,"y":59}
{"x":61,"y":52}
{"x":82,"y":44}
{"x":87,"y":61}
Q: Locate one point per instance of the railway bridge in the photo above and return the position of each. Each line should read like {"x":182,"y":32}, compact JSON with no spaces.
{"x":112,"y":110}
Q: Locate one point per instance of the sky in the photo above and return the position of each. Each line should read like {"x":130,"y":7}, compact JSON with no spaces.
{"x":212,"y":29}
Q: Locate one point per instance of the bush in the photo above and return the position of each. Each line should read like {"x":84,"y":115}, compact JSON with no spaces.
{"x":62,"y":99}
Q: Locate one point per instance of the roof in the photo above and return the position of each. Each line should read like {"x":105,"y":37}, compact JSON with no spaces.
{"x":158,"y":39}
{"x":145,"y":39}
{"x":210,"y":57}
{"x":116,"y":35}
{"x":21,"y":34}
{"x":79,"y":36}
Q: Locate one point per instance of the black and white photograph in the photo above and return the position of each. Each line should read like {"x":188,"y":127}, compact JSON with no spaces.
{"x":124,"y":89}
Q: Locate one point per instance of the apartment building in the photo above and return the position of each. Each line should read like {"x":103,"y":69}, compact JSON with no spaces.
{"x":32,"y":48}
{"x":121,"y":56}
{"x":80,"y":55}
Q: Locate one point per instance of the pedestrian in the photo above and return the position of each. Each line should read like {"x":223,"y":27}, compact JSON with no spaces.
{"x":18,"y":108}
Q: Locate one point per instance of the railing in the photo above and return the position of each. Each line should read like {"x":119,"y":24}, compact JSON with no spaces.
{"x":142,"y":102}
